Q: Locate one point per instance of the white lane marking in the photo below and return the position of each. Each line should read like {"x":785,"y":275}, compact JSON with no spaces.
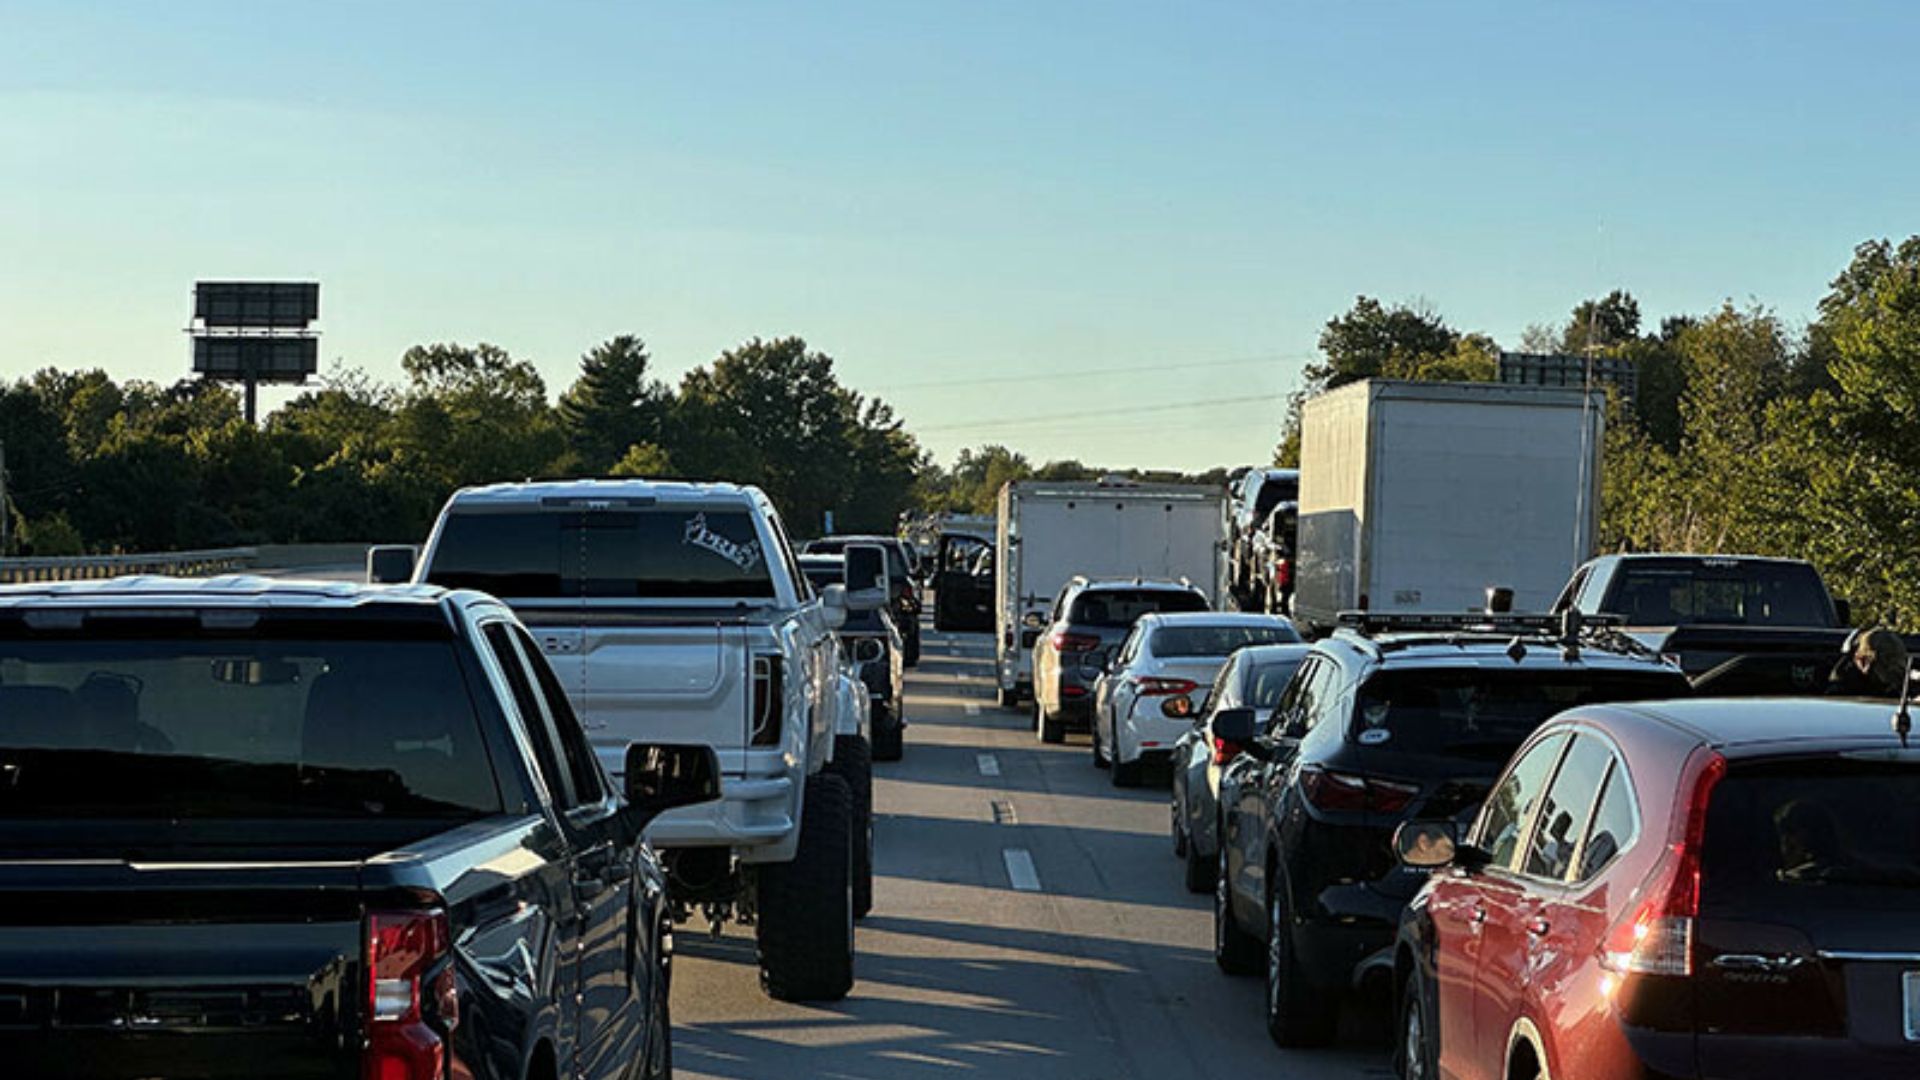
{"x":1020,"y":870}
{"x":972,"y":709}
{"x":989,"y":765}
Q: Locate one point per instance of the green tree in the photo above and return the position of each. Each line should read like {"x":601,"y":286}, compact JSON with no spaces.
{"x":1602,"y":324}
{"x":614,"y":404}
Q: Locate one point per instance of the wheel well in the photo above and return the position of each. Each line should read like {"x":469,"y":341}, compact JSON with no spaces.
{"x":543,"y":1065}
{"x":1523,"y":1061}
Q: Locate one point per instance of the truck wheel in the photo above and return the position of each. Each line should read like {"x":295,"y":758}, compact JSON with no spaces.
{"x":805,"y":907}
{"x":853,"y":762}
{"x":889,"y":735}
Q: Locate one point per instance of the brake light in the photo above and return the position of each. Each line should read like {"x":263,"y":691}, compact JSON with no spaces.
{"x":766,"y":701}
{"x":1656,"y":936}
{"x":1225,"y":751}
{"x":1283,"y":573}
{"x":1066,"y":643}
{"x":1157,"y":686}
{"x":404,"y":991}
{"x":1335,"y":792}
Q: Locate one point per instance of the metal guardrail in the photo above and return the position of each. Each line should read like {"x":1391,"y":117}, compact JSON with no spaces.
{"x":92,"y":567}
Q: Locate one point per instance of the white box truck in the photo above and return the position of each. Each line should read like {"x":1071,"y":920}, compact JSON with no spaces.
{"x":1419,"y":496}
{"x":1047,"y":532}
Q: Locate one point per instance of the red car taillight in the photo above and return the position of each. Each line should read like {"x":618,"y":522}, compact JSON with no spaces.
{"x":1157,"y":686}
{"x":1337,"y":791}
{"x":1066,"y":643}
{"x":766,"y":701}
{"x":404,"y":990}
{"x":1656,"y":936}
{"x":1283,"y":573}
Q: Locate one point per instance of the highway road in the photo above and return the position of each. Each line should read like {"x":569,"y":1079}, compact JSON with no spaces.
{"x":1029,"y":921}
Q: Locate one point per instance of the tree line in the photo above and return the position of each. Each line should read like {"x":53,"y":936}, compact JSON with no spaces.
{"x":1745,"y":434}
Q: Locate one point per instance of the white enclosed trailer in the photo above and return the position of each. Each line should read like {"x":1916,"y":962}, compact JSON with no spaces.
{"x":1419,"y":496}
{"x":1048,"y":533}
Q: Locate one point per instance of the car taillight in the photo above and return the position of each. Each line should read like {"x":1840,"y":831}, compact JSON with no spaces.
{"x":766,"y":701}
{"x":1283,"y":573}
{"x":409,"y":983}
{"x":1156,"y":686}
{"x":1656,"y":936}
{"x":1337,"y":791}
{"x":1225,"y":750}
{"x":1066,"y":643}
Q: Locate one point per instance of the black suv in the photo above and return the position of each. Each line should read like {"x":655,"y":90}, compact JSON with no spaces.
{"x":1087,"y":619}
{"x":872,"y":641}
{"x":1389,"y":719}
{"x":902,"y":567}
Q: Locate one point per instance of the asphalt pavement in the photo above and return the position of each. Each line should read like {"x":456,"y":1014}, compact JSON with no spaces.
{"x":1029,"y":921}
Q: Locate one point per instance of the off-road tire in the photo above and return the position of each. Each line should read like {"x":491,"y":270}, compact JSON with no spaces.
{"x":1298,"y":1014}
{"x":1236,"y":951}
{"x":805,"y":907}
{"x":889,"y":735}
{"x":853,"y":762}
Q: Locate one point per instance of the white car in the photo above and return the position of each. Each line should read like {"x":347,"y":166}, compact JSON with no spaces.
{"x":1151,"y":690}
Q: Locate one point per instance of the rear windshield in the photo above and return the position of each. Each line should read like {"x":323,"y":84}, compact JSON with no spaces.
{"x":1484,"y":714}
{"x":1814,"y":833}
{"x":1740,"y":594}
{"x":1177,"y":641}
{"x":661,"y":553}
{"x":1122,"y":608}
{"x":1274,"y":491}
{"x":177,"y":729}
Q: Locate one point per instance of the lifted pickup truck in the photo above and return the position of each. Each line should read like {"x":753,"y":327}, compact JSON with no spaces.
{"x":253,"y":828}
{"x":1734,"y":623}
{"x":676,"y":612}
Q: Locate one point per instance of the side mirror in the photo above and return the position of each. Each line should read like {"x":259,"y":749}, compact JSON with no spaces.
{"x":1234,"y":725}
{"x":662,"y":776}
{"x":867,"y":569}
{"x":1425,"y":845}
{"x":833,"y":601}
{"x":1843,"y":611}
{"x":391,"y":564}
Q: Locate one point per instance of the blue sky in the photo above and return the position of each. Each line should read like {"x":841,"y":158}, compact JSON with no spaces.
{"x":975,"y":208}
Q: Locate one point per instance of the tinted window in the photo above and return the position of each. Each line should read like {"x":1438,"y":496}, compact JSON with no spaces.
{"x":182,"y":727}
{"x":1123,"y":607}
{"x":1265,"y":682}
{"x":1510,"y":805}
{"x":1614,"y":825}
{"x":1754,"y":594}
{"x":1485,"y":714}
{"x":1564,"y":814}
{"x":582,"y":768}
{"x":1822,"y":834}
{"x":1179,"y":641}
{"x":1273,"y":491}
{"x":526,"y":702}
{"x":646,"y":553}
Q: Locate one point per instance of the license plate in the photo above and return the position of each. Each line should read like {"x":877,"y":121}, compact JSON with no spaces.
{"x":1910,"y":992}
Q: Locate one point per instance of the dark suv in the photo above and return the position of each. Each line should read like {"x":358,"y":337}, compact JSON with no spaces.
{"x":902,"y":567}
{"x":1387,"y":720}
{"x":1087,"y":619}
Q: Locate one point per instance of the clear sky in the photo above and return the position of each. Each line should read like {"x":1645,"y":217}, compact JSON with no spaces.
{"x":976,"y":208}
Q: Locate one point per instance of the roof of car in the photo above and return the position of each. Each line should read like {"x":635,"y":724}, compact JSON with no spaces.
{"x":1136,"y":584}
{"x":664,"y":491}
{"x":1452,"y":649}
{"x":1645,"y":557}
{"x":1263,"y":654}
{"x":228,"y":591}
{"x":1756,"y":726}
{"x":1213,"y":618}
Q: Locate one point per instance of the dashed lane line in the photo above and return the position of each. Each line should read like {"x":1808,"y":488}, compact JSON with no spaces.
{"x":972,"y":709}
{"x":1020,"y":870}
{"x":989,"y":764}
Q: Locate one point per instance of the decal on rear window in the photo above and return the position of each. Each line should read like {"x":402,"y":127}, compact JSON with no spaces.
{"x":743,"y":555}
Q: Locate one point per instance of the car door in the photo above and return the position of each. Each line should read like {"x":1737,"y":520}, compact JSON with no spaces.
{"x":963,"y":599}
{"x":1261,"y":794}
{"x":611,"y":1027}
{"x":1117,"y":689}
{"x":1481,"y":932}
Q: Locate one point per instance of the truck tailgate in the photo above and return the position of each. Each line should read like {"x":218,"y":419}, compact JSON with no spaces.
{"x":120,"y":970}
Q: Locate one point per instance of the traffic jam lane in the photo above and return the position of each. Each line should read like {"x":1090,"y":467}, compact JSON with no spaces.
{"x":1029,"y":921}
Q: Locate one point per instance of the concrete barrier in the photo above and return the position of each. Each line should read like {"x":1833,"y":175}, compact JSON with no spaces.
{"x":92,"y":567}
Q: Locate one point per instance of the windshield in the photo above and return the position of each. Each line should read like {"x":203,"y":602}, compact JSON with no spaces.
{"x":1813,"y":833}
{"x":1121,"y":608}
{"x":1485,"y":714}
{"x":662,"y":553}
{"x":176,"y":729}
{"x":1736,"y":593}
{"x":1179,"y":641}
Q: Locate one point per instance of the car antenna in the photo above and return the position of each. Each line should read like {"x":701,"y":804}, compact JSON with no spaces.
{"x":1903,"y":718}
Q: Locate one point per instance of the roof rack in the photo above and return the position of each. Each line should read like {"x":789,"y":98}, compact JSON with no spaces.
{"x":1566,"y":624}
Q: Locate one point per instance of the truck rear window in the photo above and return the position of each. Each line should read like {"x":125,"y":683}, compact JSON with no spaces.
{"x":158,"y":728}
{"x":1732,"y":593}
{"x":659,"y":553}
{"x":1121,"y":608}
{"x":1485,"y":715}
{"x":1823,"y":833}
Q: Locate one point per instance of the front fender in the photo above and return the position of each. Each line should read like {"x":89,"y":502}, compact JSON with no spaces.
{"x":853,"y":713}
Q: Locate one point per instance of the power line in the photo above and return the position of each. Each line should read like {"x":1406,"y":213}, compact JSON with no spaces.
{"x":1098,"y":414}
{"x":1097,"y":372}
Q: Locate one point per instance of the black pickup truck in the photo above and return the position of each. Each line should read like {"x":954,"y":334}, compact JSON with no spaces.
{"x":1736,"y":624}
{"x":253,"y":829}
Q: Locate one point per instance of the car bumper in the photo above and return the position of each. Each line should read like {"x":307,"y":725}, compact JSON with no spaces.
{"x":1142,"y":735}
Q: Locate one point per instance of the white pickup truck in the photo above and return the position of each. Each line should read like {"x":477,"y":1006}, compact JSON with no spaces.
{"x":676,"y":612}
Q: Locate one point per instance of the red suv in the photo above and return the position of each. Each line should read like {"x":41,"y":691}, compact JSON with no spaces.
{"x":1680,"y":889}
